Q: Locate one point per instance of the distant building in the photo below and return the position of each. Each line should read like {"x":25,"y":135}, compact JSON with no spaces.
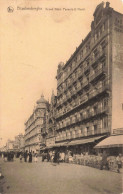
{"x":35,"y":127}
{"x":10,"y":145}
{"x":90,"y":84}
{"x":22,"y":144}
{"x":17,"y":144}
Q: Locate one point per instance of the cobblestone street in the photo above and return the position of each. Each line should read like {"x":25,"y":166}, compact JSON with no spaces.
{"x":47,"y":178}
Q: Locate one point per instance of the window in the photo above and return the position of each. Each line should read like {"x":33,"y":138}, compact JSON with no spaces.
{"x":95,"y":129}
{"x":103,"y":27}
{"x":95,"y":52}
{"x":81,"y":54}
{"x":105,"y":102}
{"x":70,"y":67}
{"x":88,"y":61}
{"x":103,"y":44}
{"x":105,"y":122}
{"x":87,"y":130}
{"x":95,"y":109}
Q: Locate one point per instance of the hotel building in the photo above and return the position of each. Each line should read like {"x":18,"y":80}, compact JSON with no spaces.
{"x":36,"y":127}
{"x":89,"y":85}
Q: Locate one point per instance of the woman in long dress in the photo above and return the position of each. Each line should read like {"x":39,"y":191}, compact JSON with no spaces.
{"x":36,"y":158}
{"x":30,"y":157}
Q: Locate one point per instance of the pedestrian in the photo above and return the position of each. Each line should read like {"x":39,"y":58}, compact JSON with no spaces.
{"x":25,"y":156}
{"x":57,"y":157}
{"x":30,"y":157}
{"x":36,"y":158}
{"x":104,"y":161}
{"x":48,"y":157}
{"x":70,"y":157}
{"x":12,"y":156}
{"x":5,"y":157}
{"x":119,"y":162}
{"x":20,"y":157}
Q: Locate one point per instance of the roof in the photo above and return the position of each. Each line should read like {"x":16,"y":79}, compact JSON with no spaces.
{"x":85,"y":141}
{"x":41,"y":100}
{"x":111,"y":142}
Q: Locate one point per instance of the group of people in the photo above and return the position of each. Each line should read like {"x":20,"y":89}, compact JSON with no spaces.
{"x":54,"y":156}
{"x":103,"y":160}
{"x":8,"y":156}
{"x":28,"y":157}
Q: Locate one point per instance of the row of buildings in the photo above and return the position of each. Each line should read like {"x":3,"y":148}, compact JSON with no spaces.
{"x":16,"y":145}
{"x":89,"y":100}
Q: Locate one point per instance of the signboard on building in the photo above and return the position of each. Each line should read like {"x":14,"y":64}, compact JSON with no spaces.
{"x":118,"y":131}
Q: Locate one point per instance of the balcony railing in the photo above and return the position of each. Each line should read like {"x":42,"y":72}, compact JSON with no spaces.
{"x":86,"y":69}
{"x":83,"y":99}
{"x":92,"y":94}
{"x":96,"y":58}
{"x":79,"y":74}
{"x":96,"y":74}
{"x":84,"y":84}
{"x":100,"y":90}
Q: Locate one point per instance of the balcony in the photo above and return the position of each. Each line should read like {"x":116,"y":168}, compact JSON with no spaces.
{"x":64,"y":99}
{"x":84,"y":99}
{"x":90,"y":132}
{"x":101,"y":37}
{"x":68,"y":123}
{"x":96,"y":58}
{"x":79,"y":88}
{"x":86,"y":68}
{"x":92,"y":94}
{"x":65,"y":88}
{"x":97,"y":74}
{"x":63,"y":125}
{"x":51,"y":125}
{"x":73,"y":92}
{"x":84,"y":84}
{"x":69,"y":84}
{"x":73,"y":121}
{"x":79,"y":74}
{"x":59,"y":103}
{"x":57,"y":128}
{"x":68,"y":96}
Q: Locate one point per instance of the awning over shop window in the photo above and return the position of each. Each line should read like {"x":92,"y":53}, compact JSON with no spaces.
{"x":111,"y":142}
{"x":61,"y":144}
{"x":85,"y":141}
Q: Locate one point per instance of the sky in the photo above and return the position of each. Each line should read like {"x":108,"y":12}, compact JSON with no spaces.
{"x":32,"y":43}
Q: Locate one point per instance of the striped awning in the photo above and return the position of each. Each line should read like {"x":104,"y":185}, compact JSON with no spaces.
{"x":111,"y":142}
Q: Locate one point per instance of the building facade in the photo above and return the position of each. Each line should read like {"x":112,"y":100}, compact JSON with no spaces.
{"x":36,"y":127}
{"x":19,"y":143}
{"x":10,"y":145}
{"x":50,"y":138}
{"x":89,"y":85}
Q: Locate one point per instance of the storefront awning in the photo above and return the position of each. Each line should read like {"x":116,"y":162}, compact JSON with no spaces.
{"x":61,"y":144}
{"x":85,"y":141}
{"x":111,"y":142}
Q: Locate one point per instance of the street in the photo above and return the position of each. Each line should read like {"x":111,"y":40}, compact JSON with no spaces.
{"x":48,"y":178}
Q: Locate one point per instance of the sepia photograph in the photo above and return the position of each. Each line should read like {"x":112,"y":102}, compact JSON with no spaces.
{"x":61,"y":97}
